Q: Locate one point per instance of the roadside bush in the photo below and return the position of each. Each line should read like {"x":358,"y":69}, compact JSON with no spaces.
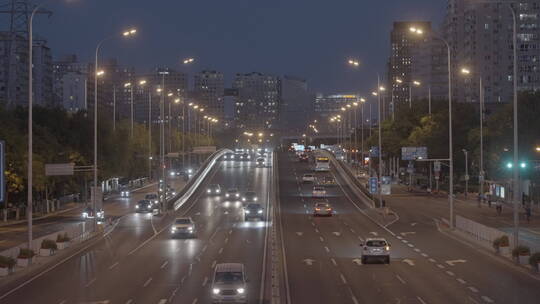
{"x":534,"y":260}
{"x":521,"y":251}
{"x":501,"y":242}
{"x":25,"y":253}
{"x":61,"y":238}
{"x":48,"y":244}
{"x":7,"y":262}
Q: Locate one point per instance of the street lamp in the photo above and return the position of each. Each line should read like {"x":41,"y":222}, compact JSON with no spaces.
{"x":420,"y":32}
{"x":467,"y":71}
{"x":130,"y":86}
{"x":416,"y":83}
{"x":127,"y":33}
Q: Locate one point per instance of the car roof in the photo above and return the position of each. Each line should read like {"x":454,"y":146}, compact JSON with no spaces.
{"x":375,"y":239}
{"x":144,"y":201}
{"x":230,"y":267}
{"x":250,"y":192}
{"x":321,"y":203}
{"x":254,"y":205}
{"x":233,"y":189}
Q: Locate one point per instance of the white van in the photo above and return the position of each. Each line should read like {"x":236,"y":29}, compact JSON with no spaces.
{"x":229,"y":284}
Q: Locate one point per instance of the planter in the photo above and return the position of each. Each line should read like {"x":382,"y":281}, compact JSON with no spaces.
{"x":4,"y":271}
{"x":523,"y":259}
{"x":62,"y":245}
{"x":24,"y":262}
{"x":46,"y":252}
{"x":504,"y":250}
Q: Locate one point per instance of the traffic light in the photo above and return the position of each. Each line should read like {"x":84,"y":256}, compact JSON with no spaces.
{"x":522,"y":165}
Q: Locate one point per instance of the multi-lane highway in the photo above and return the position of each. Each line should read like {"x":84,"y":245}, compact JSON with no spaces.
{"x":139,"y":262}
{"x":323,"y":255}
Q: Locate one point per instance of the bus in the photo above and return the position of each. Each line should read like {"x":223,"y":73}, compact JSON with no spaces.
{"x":322,"y":164}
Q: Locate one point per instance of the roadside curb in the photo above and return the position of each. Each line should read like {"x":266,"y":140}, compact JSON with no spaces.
{"x":40,"y":218}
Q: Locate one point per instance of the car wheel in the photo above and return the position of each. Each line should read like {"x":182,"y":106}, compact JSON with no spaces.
{"x":387,"y":260}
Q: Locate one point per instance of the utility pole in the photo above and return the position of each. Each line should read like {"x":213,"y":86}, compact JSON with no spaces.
{"x":466,"y":172}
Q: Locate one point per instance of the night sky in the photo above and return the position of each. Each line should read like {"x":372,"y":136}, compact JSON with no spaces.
{"x":306,"y":38}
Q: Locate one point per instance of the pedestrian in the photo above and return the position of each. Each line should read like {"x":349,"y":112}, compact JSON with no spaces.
{"x":489,"y":201}
{"x":499,"y":208}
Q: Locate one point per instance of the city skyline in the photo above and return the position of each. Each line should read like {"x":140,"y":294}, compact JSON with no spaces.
{"x":260,"y":43}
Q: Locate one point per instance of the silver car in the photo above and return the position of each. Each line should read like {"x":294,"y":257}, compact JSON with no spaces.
{"x":376,"y":248}
{"x":229,"y":284}
{"x":183,"y":226}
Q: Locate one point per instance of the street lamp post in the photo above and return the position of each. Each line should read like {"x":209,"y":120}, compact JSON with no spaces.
{"x":419,"y":32}
{"x":130,"y":86}
{"x":466,"y":172}
{"x":380,"y":139}
{"x":127,"y":33}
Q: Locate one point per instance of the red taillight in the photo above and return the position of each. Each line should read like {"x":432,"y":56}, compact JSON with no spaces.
{"x":328,"y":209}
{"x":318,"y":209}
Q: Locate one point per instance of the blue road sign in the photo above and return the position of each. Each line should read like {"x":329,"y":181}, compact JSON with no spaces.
{"x":373,"y":185}
{"x":2,"y":171}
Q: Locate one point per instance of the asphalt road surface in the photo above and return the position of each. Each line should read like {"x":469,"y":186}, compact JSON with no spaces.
{"x":139,"y":262}
{"x":323,"y":255}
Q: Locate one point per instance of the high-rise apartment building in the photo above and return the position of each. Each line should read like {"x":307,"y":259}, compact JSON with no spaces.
{"x":296,"y":104}
{"x":70,"y":77}
{"x":257,"y":104}
{"x":480,"y":36}
{"x":209,"y":88}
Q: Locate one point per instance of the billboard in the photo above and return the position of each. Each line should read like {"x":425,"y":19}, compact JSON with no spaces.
{"x":414,"y":153}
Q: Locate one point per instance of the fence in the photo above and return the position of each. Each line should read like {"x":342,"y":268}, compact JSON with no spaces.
{"x":488,"y":234}
{"x":77,"y":234}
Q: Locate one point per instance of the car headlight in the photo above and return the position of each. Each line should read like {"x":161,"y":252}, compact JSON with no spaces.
{"x":237,"y":195}
{"x":243,"y":199}
{"x":171,"y":174}
{"x":215,"y":290}
{"x":227,"y":195}
{"x":190,"y":171}
{"x":218,"y":191}
{"x":247,"y":211}
{"x":240,"y":290}
{"x":173,"y":229}
{"x":387,"y":248}
{"x":85,"y":214}
{"x":255,"y":199}
{"x":208,"y":191}
{"x":259,"y":212}
{"x":174,"y":193}
{"x":190,"y":228}
{"x":137,"y":207}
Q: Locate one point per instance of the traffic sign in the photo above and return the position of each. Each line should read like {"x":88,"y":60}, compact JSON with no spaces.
{"x":374,"y":151}
{"x":437,"y":166}
{"x":467,"y":177}
{"x":59,"y":169}
{"x":414,"y":153}
{"x":2,"y":170}
{"x":373,"y":185}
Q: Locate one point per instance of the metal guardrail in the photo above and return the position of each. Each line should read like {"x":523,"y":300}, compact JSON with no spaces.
{"x":190,"y":188}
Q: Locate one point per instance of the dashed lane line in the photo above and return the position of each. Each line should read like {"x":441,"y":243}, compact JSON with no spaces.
{"x":400,"y":279}
{"x":473,"y":289}
{"x":205,"y":281}
{"x":448,"y":272}
{"x":321,"y":238}
{"x":326,"y":248}
{"x":90,"y":283}
{"x":333,"y":261}
{"x":421,"y":300}
{"x":343,"y":278}
{"x":113,"y":265}
{"x":487,"y":299}
{"x":147,"y":282}
{"x":462,"y":281}
{"x":164,"y":264}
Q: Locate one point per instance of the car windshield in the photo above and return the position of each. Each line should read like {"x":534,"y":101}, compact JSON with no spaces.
{"x":254,"y":206}
{"x":151,"y":196}
{"x":308,"y":175}
{"x":143,"y":202}
{"x":214,"y":186}
{"x":228,"y":277}
{"x":182,"y":221}
{"x":232,"y":190}
{"x":376,"y":243}
{"x":318,"y":189}
{"x":322,"y":205}
{"x":250,"y":194}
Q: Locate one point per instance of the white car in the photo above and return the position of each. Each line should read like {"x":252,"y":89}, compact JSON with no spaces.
{"x":183,"y":226}
{"x":308,"y":178}
{"x":229,"y":284}
{"x":322,"y":209}
{"x":232,"y":194}
{"x":319,"y":191}
{"x":375,"y":248}
{"x":125,"y":193}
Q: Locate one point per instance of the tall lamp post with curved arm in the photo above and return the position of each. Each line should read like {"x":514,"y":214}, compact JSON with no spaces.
{"x":127,"y":33}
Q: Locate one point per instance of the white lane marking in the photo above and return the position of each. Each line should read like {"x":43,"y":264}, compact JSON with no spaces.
{"x":162,"y":301}
{"x":321,"y":238}
{"x":62,"y":302}
{"x":90,"y":283}
{"x":462,"y":281}
{"x":182,"y":280}
{"x":147,"y":282}
{"x":336,"y":233}
{"x":226,"y":240}
{"x":214,"y":264}
{"x":316,"y":230}
{"x":454,"y":262}
{"x":113,"y":265}
{"x":407,"y":233}
{"x":357,"y":262}
{"x":487,"y":299}
{"x":129,"y":301}
{"x":333,"y":261}
{"x":360,"y":238}
{"x":353,"y":231}
{"x":416,"y":249}
{"x":313,"y":224}
{"x":410,"y":245}
{"x":421,"y":300}
{"x":404,"y":241}
{"x":473,"y":289}
{"x":327,"y":249}
{"x":398,"y":237}
{"x":440,"y":266}
{"x":400,"y":279}
{"x":299,"y":233}
{"x":205,"y":281}
{"x":195,"y":301}
{"x":309,"y":262}
{"x":230,"y":231}
{"x":343,"y":279}
{"x":374,"y":233}
{"x":432,"y":260}
{"x":164,"y":264}
{"x":473,"y":300}
{"x":220,"y":250}
{"x":424,"y":254}
{"x":448,"y":272}
{"x":204,"y":248}
{"x":410,"y":262}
